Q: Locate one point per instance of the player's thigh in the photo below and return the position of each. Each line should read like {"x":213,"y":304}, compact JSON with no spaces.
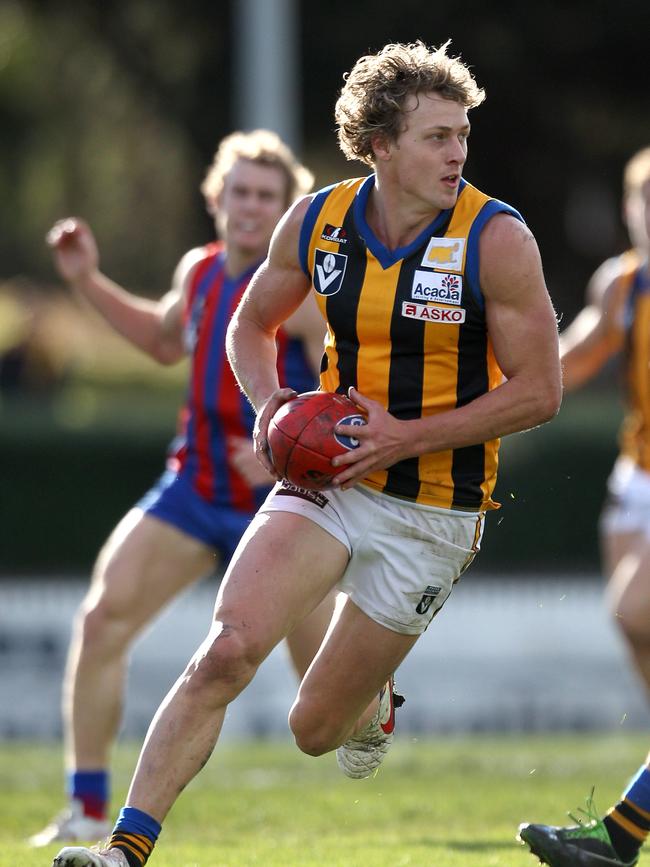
{"x":282,"y":569}
{"x":306,"y":638}
{"x":617,"y":545}
{"x":629,"y":589}
{"x":355,"y":661}
{"x":144,"y":563}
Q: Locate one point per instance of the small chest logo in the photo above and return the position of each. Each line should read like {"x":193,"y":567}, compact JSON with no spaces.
{"x":329,"y":270}
{"x":433,"y":286}
{"x":429,"y":313}
{"x":334,"y":233}
{"x":447,"y":253}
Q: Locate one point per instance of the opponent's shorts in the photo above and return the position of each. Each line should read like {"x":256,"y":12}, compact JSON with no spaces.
{"x":627,"y":508}
{"x":174,"y":500}
{"x":404,"y":558}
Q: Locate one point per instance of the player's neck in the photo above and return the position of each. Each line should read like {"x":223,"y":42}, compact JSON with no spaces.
{"x":395,"y":219}
{"x":239,"y":261}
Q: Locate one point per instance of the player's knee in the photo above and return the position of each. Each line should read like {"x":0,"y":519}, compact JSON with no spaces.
{"x":315,"y":734}
{"x":101,"y":628}
{"x":225,"y":663}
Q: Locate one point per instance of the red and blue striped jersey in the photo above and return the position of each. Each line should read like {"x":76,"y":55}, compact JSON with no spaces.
{"x":215,"y":408}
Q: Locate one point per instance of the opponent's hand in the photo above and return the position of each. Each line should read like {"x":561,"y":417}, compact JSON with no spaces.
{"x":74,"y":249}
{"x":381,"y":443}
{"x":260,"y":431}
{"x":242,"y":456}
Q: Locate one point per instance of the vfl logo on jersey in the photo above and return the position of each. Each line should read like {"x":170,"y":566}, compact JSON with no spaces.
{"x":329,"y":269}
{"x":349,"y":442}
{"x":191,"y":332}
{"x":427,"y":598}
{"x":445,"y":253}
{"x":428,"y":313}
{"x":334,"y":233}
{"x":433,"y":286}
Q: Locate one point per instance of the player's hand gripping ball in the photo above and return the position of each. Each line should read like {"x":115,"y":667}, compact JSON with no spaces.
{"x":302,"y":441}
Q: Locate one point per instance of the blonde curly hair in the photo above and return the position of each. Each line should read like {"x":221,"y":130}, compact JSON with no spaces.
{"x":259,"y":146}
{"x":376,"y":89}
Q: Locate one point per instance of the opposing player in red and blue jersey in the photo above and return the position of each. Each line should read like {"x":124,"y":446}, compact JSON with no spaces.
{"x":192,"y":519}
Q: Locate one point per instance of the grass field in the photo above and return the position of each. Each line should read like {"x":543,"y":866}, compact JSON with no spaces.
{"x":448,"y":802}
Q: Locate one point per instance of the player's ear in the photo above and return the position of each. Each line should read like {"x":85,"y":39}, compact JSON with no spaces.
{"x":381,"y":146}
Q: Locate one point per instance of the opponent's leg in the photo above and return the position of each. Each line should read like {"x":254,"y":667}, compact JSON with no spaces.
{"x":143,"y":565}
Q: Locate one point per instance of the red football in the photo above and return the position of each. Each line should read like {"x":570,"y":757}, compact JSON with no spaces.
{"x":302,"y":441}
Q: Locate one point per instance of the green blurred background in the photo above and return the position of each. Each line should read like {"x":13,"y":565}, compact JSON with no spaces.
{"x":112,"y":112}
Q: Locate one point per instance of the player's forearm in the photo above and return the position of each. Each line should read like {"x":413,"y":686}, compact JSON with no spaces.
{"x":138,"y":320}
{"x":515,"y":406}
{"x":252,"y":354}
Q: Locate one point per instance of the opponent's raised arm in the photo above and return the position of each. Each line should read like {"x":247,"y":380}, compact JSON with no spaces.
{"x":154,"y":326}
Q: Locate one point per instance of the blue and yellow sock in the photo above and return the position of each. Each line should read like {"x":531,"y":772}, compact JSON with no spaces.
{"x":628,"y":823}
{"x":135,"y":833}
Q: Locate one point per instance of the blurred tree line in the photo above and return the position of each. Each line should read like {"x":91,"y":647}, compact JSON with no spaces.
{"x":112,"y":111}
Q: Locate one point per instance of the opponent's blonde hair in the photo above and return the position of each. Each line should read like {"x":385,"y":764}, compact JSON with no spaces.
{"x":637,"y":171}
{"x":376,"y":89}
{"x":259,"y":146}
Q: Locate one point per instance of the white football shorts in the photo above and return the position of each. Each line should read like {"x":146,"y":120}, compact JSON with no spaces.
{"x":627,"y":509}
{"x":404,"y":558}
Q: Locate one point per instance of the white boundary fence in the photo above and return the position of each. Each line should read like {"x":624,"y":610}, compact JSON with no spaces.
{"x":534,"y":654}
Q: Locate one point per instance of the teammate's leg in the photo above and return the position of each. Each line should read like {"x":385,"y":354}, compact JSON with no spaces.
{"x":628,"y":594}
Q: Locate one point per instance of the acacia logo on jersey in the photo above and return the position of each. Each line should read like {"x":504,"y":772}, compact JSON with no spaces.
{"x":434,"y":286}
{"x":329,"y":270}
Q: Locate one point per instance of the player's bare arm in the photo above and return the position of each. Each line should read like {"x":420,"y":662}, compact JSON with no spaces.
{"x":274,"y":293}
{"x":597,"y":332}
{"x":523,"y":331}
{"x":152,"y":326}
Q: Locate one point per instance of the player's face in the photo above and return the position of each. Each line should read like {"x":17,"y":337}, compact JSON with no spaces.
{"x":429,"y":154}
{"x":252,"y":201}
{"x":637,"y":215}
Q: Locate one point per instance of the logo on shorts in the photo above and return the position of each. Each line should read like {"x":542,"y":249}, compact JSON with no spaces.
{"x":427,"y":598}
{"x":288,"y":489}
